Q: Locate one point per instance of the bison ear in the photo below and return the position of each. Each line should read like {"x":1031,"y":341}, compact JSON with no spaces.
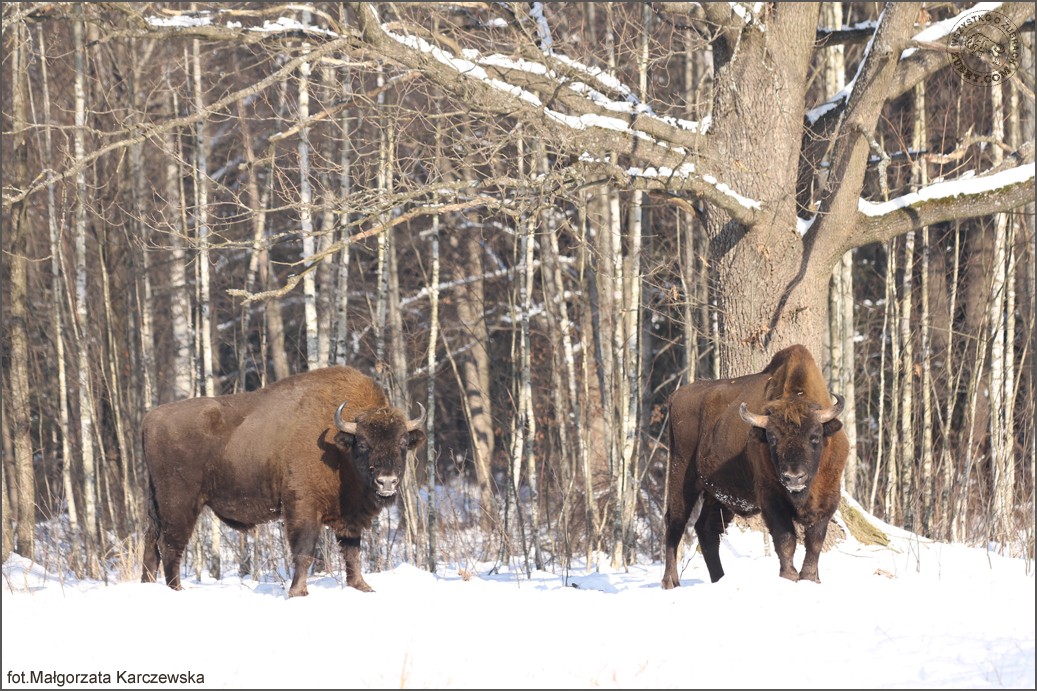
{"x":415,"y":438}
{"x":343,"y":441}
{"x":832,"y":426}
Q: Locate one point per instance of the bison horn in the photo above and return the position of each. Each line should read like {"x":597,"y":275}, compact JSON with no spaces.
{"x":347,"y":427}
{"x":831,"y":411}
{"x":752,"y":418}
{"x":418,"y":421}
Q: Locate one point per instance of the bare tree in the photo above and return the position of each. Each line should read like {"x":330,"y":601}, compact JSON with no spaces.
{"x":18,"y":382}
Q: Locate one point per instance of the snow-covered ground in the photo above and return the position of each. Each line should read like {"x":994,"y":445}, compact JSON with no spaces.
{"x":915,"y":614}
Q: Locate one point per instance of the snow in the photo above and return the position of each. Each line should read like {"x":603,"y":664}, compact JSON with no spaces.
{"x":750,"y":16}
{"x":938,"y":30}
{"x":281,"y":24}
{"x":179,"y":21}
{"x":803,"y":225}
{"x":472,"y":64}
{"x":914,"y":614}
{"x":965,"y":185}
{"x":844,"y":94}
{"x":686,"y":170}
{"x":536,"y":11}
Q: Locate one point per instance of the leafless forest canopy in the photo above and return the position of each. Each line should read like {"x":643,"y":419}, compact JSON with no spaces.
{"x":536,"y":220}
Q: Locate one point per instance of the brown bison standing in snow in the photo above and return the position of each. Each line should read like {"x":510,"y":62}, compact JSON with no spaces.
{"x":767,"y":442}
{"x":319,"y":448}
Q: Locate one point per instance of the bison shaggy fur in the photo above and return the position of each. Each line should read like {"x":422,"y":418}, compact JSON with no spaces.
{"x":323,"y":447}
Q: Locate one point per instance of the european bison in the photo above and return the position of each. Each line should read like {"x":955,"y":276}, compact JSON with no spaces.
{"x":767,"y":442}
{"x":322,"y":447}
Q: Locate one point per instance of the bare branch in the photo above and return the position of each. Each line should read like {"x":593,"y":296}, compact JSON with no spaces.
{"x":12,"y":195}
{"x":568,"y":100}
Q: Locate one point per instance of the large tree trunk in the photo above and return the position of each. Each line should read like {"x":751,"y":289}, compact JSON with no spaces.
{"x":771,"y":292}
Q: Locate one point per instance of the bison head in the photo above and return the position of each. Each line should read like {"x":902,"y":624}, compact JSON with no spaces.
{"x":796,"y":434}
{"x":379,"y":439}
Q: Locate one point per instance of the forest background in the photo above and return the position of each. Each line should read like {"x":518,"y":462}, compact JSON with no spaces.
{"x":536,"y":220}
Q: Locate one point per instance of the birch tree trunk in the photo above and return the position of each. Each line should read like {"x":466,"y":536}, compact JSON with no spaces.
{"x":17,"y":321}
{"x":175,"y":211}
{"x":432,"y":455}
{"x":906,"y":449}
{"x":313,"y":359}
{"x":83,"y":338}
{"x":923,"y":503}
{"x":527,"y":428}
{"x":8,"y":517}
{"x":341,"y":350}
{"x":1002,"y":467}
{"x":948,"y":462}
{"x":58,"y":289}
{"x":627,"y":345}
{"x":400,"y":371}
{"x":568,"y":406}
{"x":204,"y":301}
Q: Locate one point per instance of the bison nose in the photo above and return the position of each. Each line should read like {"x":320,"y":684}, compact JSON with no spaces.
{"x":794,"y":480}
{"x":386,"y":485}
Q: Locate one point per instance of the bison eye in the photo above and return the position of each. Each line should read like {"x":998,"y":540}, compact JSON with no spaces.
{"x":815,"y":439}
{"x":403,"y":443}
{"x":361,"y":445}
{"x":772,"y":439}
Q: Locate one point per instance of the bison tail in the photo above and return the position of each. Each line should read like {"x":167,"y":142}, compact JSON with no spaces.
{"x":151,"y":556}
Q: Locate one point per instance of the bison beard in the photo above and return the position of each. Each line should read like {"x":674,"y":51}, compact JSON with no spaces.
{"x":768,"y":442}
{"x":319,"y":448}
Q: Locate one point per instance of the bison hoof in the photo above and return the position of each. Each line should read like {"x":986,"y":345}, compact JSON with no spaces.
{"x":670,"y":583}
{"x":299,"y":592}
{"x":791,"y":575}
{"x":362,"y":586}
{"x":810,"y":577}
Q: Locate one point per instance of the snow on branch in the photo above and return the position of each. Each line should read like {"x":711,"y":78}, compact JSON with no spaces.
{"x":583,"y":109}
{"x":842,"y":97}
{"x":215,"y":26}
{"x":687,"y":171}
{"x":473,"y":65}
{"x":536,"y":11}
{"x":685,"y":178}
{"x":940,"y":30}
{"x":964,"y":186}
{"x":959,"y":199}
{"x":749,"y":13}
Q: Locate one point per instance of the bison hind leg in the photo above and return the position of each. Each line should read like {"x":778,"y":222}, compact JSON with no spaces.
{"x":681,"y":506}
{"x":711,"y":524}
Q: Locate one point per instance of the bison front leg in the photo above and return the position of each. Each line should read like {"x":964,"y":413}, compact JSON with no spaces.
{"x":814,"y":540}
{"x":351,"y":552}
{"x":302,"y":538}
{"x":783,"y":532}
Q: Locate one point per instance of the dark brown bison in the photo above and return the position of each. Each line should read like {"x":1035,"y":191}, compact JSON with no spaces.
{"x":767,"y":442}
{"x":319,"y":448}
